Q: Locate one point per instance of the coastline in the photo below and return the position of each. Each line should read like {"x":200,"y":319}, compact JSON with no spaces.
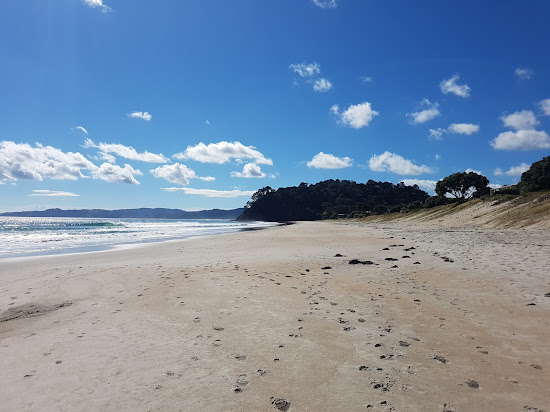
{"x":253,"y":319}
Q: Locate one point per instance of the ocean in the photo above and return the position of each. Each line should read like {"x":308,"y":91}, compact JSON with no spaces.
{"x":32,"y":236}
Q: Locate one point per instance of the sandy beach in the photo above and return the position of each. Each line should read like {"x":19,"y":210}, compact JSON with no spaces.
{"x":423,"y":319}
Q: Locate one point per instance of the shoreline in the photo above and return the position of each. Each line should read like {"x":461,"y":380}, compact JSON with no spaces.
{"x":273,"y":319}
{"x":123,"y":245}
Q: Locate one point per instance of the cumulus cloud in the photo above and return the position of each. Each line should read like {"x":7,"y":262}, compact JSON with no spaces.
{"x":356,"y":115}
{"x":545,"y":106}
{"x":210,"y":192}
{"x":322,"y":85}
{"x":429,"y":112}
{"x":52,"y":193}
{"x":523,"y":120}
{"x":513,"y":171}
{"x":250,"y":170}
{"x":367,"y":79}
{"x":80,"y":129}
{"x":325,"y":4}
{"x":23,"y":161}
{"x":391,"y":162}
{"x":428,"y":185}
{"x":327,"y":161}
{"x":522,"y":140}
{"x":98,"y":3}
{"x":451,"y":86}
{"x":525,"y":137}
{"x":455,"y":128}
{"x":116,"y":174}
{"x":523,"y":73}
{"x":306,"y":70}
{"x":128,"y":152}
{"x":177,"y":173}
{"x":463,"y":128}
{"x":141,"y":115}
{"x":223,"y":152}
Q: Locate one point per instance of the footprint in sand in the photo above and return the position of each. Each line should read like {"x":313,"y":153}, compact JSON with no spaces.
{"x":280,"y":403}
{"x":242,"y":380}
{"x":472,"y":384}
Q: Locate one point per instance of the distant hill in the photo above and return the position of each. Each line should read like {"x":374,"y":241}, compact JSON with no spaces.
{"x":143,"y":213}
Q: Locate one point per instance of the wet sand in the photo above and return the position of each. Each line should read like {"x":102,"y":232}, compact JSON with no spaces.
{"x":423,"y":319}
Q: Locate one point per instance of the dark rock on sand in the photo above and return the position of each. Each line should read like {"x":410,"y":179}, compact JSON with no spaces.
{"x":362,"y":262}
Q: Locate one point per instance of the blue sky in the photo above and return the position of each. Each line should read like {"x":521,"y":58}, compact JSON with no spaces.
{"x":197,"y":104}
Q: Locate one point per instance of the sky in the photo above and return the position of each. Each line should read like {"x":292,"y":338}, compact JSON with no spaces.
{"x":195,"y":105}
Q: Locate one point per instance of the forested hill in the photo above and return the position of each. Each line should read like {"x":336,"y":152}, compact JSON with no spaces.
{"x":143,"y":213}
{"x":328,"y":199}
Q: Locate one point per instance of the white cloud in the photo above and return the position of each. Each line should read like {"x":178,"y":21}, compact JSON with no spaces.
{"x":177,"y":173}
{"x":322,"y":85}
{"x":52,"y":193}
{"x":494,"y":185}
{"x":522,"y":140}
{"x":81,"y":129}
{"x":545,"y":106}
{"x":222,"y":152}
{"x":207,"y":122}
{"x":437,"y":156}
{"x":513,"y":171}
{"x":451,"y":86}
{"x":391,"y":162}
{"x":523,"y":73}
{"x":98,"y":3}
{"x":210,"y":192}
{"x":306,"y":70}
{"x":250,"y":170}
{"x":367,"y":79}
{"x":525,"y":137}
{"x":116,"y":174}
{"x":437,"y":134}
{"x":128,"y":152}
{"x":141,"y":115}
{"x":356,"y":115}
{"x":524,"y":120}
{"x":430,"y":112}
{"x":325,"y":4}
{"x":428,"y":185}
{"x":464,"y":128}
{"x":23,"y":161}
{"x":327,"y":161}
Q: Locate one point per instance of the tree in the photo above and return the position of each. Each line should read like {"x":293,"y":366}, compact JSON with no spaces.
{"x":463,"y":185}
{"x":537,"y":177}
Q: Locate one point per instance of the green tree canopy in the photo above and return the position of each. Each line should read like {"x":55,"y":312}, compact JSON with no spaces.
{"x":537,"y":177}
{"x":328,"y":199}
{"x":463,"y":185}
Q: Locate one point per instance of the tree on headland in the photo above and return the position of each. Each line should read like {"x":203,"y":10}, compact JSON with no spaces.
{"x":537,"y":177}
{"x":463,"y":185}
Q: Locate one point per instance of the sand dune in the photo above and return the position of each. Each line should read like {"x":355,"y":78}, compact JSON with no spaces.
{"x":427,"y":319}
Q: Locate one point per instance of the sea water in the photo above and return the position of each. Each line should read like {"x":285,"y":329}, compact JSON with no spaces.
{"x":21,"y":236}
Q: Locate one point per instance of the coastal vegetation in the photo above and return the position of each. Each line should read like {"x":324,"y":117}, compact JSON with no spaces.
{"x":331,"y":199}
{"x":463,"y":185}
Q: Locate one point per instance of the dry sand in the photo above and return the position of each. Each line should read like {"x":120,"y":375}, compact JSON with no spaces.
{"x":274,"y":320}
